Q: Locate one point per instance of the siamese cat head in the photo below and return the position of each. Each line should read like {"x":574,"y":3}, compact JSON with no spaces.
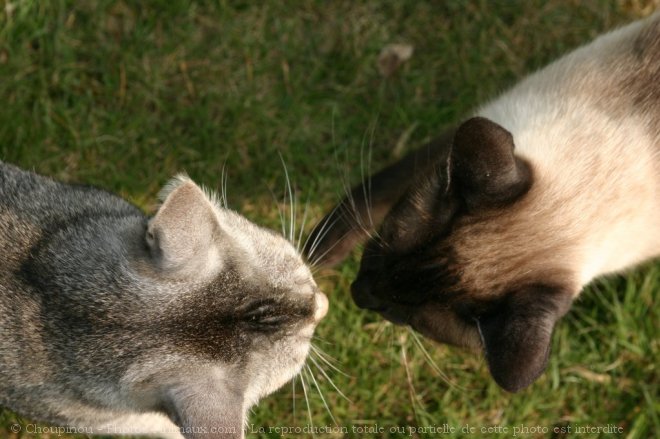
{"x":243,"y":305}
{"x":460,"y":259}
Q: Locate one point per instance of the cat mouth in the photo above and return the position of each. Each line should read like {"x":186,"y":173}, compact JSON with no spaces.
{"x":364,"y":298}
{"x":397,"y":317}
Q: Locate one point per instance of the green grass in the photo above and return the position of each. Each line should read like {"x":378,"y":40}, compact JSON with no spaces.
{"x":125,"y":94}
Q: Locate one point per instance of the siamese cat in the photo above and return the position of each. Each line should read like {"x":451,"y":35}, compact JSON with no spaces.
{"x":115,"y":323}
{"x":505,"y":218}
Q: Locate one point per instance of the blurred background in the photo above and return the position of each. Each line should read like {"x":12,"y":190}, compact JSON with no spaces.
{"x":124,"y":94}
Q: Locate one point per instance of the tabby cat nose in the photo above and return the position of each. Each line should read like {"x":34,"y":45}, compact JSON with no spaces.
{"x":321,"y":306}
{"x":360,"y":290}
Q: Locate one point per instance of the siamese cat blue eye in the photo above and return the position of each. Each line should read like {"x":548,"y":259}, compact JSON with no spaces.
{"x":483,"y":238}
{"x":174,"y":325}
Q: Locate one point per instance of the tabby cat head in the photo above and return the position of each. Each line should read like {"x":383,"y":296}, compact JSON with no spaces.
{"x":458,"y":257}
{"x":244,"y":309}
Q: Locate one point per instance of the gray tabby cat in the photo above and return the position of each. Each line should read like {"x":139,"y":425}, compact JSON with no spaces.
{"x":489,"y":233}
{"x":171,"y":326}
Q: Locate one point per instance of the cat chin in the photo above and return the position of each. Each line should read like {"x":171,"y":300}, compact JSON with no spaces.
{"x":435,"y":322}
{"x":443,"y":326}
{"x":285,"y":366}
{"x":395,"y":317}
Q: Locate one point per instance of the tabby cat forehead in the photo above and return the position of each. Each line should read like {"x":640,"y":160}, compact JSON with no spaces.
{"x":247,"y":235}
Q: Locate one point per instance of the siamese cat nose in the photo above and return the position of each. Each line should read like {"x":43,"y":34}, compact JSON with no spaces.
{"x":360,"y":290}
{"x":321,"y":306}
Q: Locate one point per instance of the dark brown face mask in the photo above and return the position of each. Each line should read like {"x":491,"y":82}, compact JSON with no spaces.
{"x":409,"y":271}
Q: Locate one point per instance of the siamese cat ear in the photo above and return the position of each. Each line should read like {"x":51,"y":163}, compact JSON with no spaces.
{"x":206,"y":410}
{"x":488,"y":172}
{"x":517,"y":337}
{"x":182,"y":235}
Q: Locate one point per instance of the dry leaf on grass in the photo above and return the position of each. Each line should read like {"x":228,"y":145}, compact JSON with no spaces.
{"x":589,"y":375}
{"x":391,"y":58}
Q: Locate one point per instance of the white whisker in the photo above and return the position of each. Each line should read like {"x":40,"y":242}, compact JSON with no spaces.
{"x":366,"y":181}
{"x":328,"y":359}
{"x":327,"y":377}
{"x":412,"y":393}
{"x":321,"y":339}
{"x":318,"y":388}
{"x":302,"y":225}
{"x":345,"y":212}
{"x":325,"y":228}
{"x":432,"y":363}
{"x":223,"y":186}
{"x":279,"y":213}
{"x":292,"y":202}
{"x":345,"y":178}
{"x":293,"y":391}
{"x":309,"y":410}
{"x":316,"y":260}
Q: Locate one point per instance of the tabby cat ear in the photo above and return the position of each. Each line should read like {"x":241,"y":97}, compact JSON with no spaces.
{"x":182,"y":235}
{"x":517,"y":336}
{"x":483,"y":163}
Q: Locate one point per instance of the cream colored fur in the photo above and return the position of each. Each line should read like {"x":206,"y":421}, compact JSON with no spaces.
{"x":594,"y":148}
